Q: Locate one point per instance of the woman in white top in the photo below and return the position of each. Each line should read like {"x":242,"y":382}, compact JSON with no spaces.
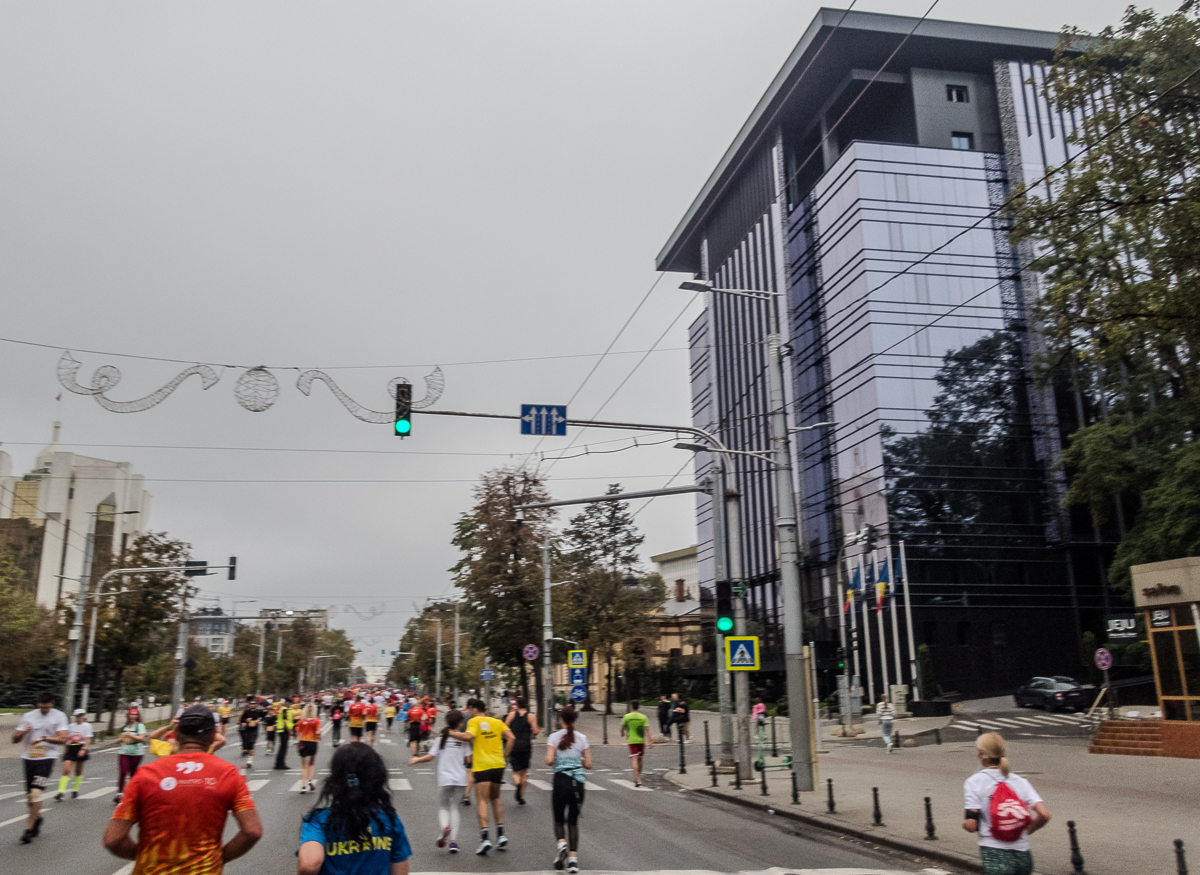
{"x":886,"y":712}
{"x":451,"y":755}
{"x":569,"y":752}
{"x":1000,"y":857}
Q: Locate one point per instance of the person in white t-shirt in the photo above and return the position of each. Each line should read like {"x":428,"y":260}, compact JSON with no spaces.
{"x":1000,"y":857}
{"x":79,"y":742}
{"x":42,"y":731}
{"x":569,"y":753}
{"x":451,"y":755}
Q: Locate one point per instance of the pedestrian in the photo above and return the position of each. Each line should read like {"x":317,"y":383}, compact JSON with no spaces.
{"x":759,"y":712}
{"x":1003,"y":809}
{"x":664,"y":716}
{"x":41,"y":732}
{"x":335,"y":720}
{"x":524,"y":727}
{"x":451,"y":755}
{"x":633,"y":726}
{"x":683,"y":718}
{"x":75,"y":754}
{"x":248,"y":724}
{"x":132,"y":749}
{"x":429,"y":712}
{"x":389,"y":714}
{"x":224,"y":709}
{"x":356,"y":713}
{"x":270,"y":721}
{"x":285,"y":727}
{"x":371,"y":720}
{"x":491,"y":743}
{"x":415,"y":715}
{"x":569,"y":753}
{"x":308,"y":731}
{"x":886,"y":713}
{"x":180,"y":803}
{"x":353,"y":829}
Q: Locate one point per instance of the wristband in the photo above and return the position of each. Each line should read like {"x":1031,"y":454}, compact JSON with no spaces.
{"x":972,"y":814}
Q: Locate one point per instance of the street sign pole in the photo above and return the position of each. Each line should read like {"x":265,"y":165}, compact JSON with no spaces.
{"x":741,"y":682}
{"x":547,"y":636}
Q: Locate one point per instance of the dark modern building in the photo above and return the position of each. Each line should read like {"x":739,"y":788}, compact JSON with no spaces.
{"x":864,"y":188}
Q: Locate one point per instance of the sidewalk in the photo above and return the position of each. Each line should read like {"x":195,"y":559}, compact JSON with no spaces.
{"x":1128,"y":810}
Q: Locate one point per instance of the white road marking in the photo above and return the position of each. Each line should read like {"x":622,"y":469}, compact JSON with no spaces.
{"x":125,"y":870}
{"x":400,"y":783}
{"x":297,"y":787}
{"x":1004,"y":722}
{"x":541,"y":785}
{"x":103,"y":791}
{"x":592,"y":785}
{"x":22,"y":817}
{"x":621,"y":782}
{"x":11,"y":795}
{"x":255,"y":786}
{"x":963,"y":724}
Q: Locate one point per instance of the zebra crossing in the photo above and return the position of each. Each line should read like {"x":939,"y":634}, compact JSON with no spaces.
{"x":399,"y":784}
{"x":1020,"y":724}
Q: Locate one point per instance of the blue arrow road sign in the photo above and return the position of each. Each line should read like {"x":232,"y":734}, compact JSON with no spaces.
{"x":578,"y":676}
{"x":547,"y":419}
{"x":487,"y":674}
{"x":578,"y":693}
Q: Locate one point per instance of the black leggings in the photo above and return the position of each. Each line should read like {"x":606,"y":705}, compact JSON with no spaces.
{"x":565,"y":801}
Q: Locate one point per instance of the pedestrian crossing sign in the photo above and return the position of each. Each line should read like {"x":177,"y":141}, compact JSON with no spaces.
{"x":741,"y":653}
{"x":577,"y":659}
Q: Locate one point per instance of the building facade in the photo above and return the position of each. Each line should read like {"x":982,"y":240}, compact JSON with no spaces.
{"x":213,"y":630}
{"x":865,"y":192}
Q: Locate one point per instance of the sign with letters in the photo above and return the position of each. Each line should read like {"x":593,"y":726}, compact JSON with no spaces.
{"x":1160,"y":618}
{"x":1122,"y":627}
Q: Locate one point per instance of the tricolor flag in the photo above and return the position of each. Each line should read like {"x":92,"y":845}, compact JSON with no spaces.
{"x":882,"y":579}
{"x":855,"y":586}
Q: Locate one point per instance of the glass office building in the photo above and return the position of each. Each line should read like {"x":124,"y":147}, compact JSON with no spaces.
{"x":869,"y":200}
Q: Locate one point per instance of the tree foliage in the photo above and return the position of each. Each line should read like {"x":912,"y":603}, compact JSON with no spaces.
{"x":27,"y":631}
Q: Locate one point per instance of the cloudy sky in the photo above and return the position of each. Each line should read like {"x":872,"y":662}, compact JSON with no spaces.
{"x":372,"y":188}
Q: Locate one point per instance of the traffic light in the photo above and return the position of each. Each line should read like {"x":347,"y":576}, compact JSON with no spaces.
{"x":841,"y":659}
{"x":232,"y":568}
{"x":724,"y":607}
{"x":195,"y":568}
{"x":403,"y":409}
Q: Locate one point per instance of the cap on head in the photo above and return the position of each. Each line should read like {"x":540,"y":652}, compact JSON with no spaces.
{"x":79,"y":711}
{"x":196,"y":720}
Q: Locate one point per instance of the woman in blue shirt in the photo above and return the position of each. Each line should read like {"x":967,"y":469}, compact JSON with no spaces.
{"x":353,"y":829}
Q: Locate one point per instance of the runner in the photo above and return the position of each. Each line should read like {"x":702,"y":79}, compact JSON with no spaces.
{"x":569,"y":753}
{"x":371,"y":719}
{"x":415,"y":715}
{"x":335,"y":719}
{"x":309,"y":732}
{"x":451,"y":756}
{"x":1009,"y":855}
{"x":356,"y":712}
{"x":491,"y":742}
{"x":389,"y":713}
{"x":252,"y":716}
{"x":79,"y":739}
{"x":524,"y":727}
{"x":353,"y":829}
{"x":427,"y":721}
{"x":132,"y":749}
{"x":180,"y":802}
{"x":633,"y":724}
{"x":42,"y":731}
{"x":224,"y":709}
{"x":326,"y":703}
{"x":269,"y":720}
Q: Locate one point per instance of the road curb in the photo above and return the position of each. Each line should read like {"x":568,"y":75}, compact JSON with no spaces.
{"x":920,"y":849}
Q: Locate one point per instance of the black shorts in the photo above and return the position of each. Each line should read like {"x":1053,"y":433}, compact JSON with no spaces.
{"x":566,"y":799}
{"x":356,"y":732}
{"x":36,"y":773}
{"x":490,"y":776}
{"x":518,"y":760}
{"x":75,"y":754}
{"x":371,"y":725}
{"x":308,"y":748}
{"x":414,"y":732}
{"x":249,"y":738}
{"x":224,"y":721}
{"x":271,"y":732}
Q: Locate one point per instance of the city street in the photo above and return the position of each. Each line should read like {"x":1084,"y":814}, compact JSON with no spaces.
{"x":655,"y":828}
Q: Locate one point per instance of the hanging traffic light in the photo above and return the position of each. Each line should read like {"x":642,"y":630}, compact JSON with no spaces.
{"x":403,"y":409}
{"x":841,"y":658}
{"x":724,"y":607}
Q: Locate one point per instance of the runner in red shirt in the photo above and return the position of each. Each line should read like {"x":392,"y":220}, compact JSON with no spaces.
{"x":309,"y":732}
{"x":180,"y":803}
{"x":416,"y":714}
{"x":371,"y":714}
{"x":355,"y":712}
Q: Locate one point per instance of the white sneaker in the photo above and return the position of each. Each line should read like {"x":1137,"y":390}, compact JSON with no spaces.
{"x":484,"y":847}
{"x":560,"y":855}
{"x":572,"y":866}
{"x":501,"y":843}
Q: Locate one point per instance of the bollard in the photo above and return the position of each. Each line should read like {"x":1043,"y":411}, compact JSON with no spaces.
{"x":930,"y":833}
{"x":763,"y":773}
{"x":878,"y":813}
{"x":682,"y":762}
{"x":832,"y":807}
{"x":1180,"y":859}
{"x":774,"y":744}
{"x":896,"y":739}
{"x":795,"y":789}
{"x":1076,"y":857}
{"x":708,"y":760}
{"x":737,"y":776}
{"x":937,"y":734}
{"x":713,"y":766}
{"x":605,"y":717}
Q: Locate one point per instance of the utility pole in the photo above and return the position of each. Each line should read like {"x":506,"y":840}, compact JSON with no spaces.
{"x":180,"y":659}
{"x":262,"y":646}
{"x":741,"y":679}
{"x":437,"y":677}
{"x":456,"y":660}
{"x":487,"y":686}
{"x":278,"y":641}
{"x":76,"y":633}
{"x":547,"y":636}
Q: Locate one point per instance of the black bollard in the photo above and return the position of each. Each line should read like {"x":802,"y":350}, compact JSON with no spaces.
{"x":832,"y":807}
{"x":937,"y":734}
{"x":605,"y":718}
{"x":708,"y":760}
{"x":713,"y":766}
{"x":774,"y":744}
{"x":930,"y":832}
{"x":878,"y":813}
{"x":896,"y":739}
{"x":1076,"y":857}
{"x":737,"y":776}
{"x":763,"y":773}
{"x":795,"y":789}
{"x":682,"y":762}
{"x":1180,"y":859}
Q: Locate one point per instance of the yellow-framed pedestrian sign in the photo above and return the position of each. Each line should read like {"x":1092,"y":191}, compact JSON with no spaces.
{"x":576,"y":659}
{"x":741,"y":653}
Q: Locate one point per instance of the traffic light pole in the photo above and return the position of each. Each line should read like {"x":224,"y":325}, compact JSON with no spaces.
{"x":741,"y":679}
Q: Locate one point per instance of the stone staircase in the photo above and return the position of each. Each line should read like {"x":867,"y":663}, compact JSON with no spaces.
{"x":1129,"y":737}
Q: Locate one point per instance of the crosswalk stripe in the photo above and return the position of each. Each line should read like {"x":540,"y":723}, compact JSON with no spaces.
{"x":592,"y":785}
{"x":11,"y":795}
{"x":541,"y":785}
{"x":963,"y":724}
{"x":255,"y":786}
{"x":1059,"y":718}
{"x":400,"y":784}
{"x":629,"y":785}
{"x":103,"y":791}
{"x":125,"y":870}
{"x":21,"y":817}
{"x":1004,"y":722}
{"x":297,"y":787}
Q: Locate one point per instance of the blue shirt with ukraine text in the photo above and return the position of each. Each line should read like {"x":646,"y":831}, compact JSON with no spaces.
{"x":370,"y":855}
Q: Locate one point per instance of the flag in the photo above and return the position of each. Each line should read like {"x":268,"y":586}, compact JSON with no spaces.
{"x":855,"y":585}
{"x":882,"y":579}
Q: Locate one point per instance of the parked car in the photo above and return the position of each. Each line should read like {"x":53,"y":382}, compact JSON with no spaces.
{"x":1056,"y":693}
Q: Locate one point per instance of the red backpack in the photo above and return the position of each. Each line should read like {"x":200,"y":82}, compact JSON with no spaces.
{"x":1007,"y":815}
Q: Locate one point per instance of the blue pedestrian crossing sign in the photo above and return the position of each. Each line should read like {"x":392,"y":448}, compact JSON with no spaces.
{"x":579,"y":693}
{"x":547,"y":419}
{"x":577,"y":659}
{"x":741,"y":653}
{"x":578,"y":676}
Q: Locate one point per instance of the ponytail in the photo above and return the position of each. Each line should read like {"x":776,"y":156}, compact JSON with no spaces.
{"x":453,"y":721}
{"x":991,"y":745}
{"x":567,"y":715}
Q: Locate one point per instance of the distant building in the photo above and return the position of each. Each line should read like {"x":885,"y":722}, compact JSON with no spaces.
{"x":213,"y":630}
{"x":282,"y":618}
{"x":71,"y":501}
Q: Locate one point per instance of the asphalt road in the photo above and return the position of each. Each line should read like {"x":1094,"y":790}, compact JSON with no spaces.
{"x":656,"y":828}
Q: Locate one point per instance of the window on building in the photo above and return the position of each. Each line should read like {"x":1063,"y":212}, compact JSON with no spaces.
{"x":958,"y":94}
{"x":963,"y":141}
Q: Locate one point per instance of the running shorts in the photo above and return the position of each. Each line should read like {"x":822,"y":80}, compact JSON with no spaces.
{"x":308,"y":748}
{"x":37,"y":773}
{"x":637,"y":750}
{"x":224,"y":721}
{"x":414,"y":731}
{"x":75,"y":754}
{"x":389,"y":720}
{"x":566,"y":799}
{"x":356,"y":731}
{"x":249,"y":738}
{"x":490,"y":776}
{"x":371,"y":725}
{"x":518,"y":760}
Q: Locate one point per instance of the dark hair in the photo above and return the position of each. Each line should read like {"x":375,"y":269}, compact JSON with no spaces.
{"x":46,"y":697}
{"x":454,"y":720}
{"x":356,"y":793}
{"x":477,"y":704}
{"x":522,"y":702}
{"x":635,"y":705}
{"x":567,"y":715}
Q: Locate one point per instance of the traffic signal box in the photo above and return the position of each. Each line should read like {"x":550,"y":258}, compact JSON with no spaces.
{"x":403,"y":410}
{"x":724,"y":607}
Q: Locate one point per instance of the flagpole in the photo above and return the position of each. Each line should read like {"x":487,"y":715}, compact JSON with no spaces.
{"x":854,"y":630}
{"x":895,"y":622}
{"x":912,"y":653}
{"x":883,"y":666}
{"x":867,"y":637}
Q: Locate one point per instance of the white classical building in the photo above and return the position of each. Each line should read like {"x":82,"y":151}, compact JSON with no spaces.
{"x":75,"y":500}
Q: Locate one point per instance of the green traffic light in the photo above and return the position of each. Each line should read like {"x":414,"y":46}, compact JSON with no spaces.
{"x":403,"y":426}
{"x":724,"y":624}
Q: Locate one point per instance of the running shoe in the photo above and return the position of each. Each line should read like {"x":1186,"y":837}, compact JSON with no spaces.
{"x":441,"y":842}
{"x":560,"y":856}
{"x":74,"y":794}
{"x":60,"y":797}
{"x":572,"y":866}
{"x":37,"y":827}
{"x":466,"y":800}
{"x":502,"y":843}
{"x":27,"y":837}
{"x":484,"y":847}
{"x":454,"y":847}
{"x":118,"y":797}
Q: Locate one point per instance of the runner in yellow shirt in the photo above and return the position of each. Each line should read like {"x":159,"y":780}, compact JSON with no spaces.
{"x":491,"y":743}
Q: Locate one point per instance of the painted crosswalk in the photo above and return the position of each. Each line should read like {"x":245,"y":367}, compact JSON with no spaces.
{"x":1010,"y":723}
{"x":96,"y":794}
{"x":403,"y":785}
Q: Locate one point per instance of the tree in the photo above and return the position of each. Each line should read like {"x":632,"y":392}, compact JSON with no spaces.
{"x":27,"y":636}
{"x":603,"y":533}
{"x":1118,"y":245}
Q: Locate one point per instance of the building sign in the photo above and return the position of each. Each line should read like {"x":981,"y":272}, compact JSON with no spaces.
{"x":1122,"y":627}
{"x":1160,"y":618}
{"x":1173,"y":582}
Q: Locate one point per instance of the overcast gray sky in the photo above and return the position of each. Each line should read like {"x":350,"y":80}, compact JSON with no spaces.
{"x":369,"y":184}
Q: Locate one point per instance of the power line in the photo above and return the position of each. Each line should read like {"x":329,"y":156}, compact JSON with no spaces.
{"x":328,"y":480}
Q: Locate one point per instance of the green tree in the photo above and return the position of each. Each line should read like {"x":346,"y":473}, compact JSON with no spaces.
{"x":27,"y":631}
{"x":604,"y":534}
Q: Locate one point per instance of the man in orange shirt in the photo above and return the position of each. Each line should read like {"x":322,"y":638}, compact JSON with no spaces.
{"x":180,"y":803}
{"x":309,"y":731}
{"x":371,"y":715}
{"x":356,"y":712}
{"x":416,"y":714}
